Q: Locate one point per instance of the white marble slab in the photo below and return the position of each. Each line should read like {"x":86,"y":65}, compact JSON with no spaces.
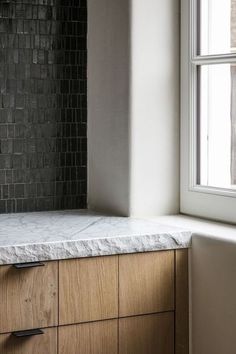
{"x":30,"y":237}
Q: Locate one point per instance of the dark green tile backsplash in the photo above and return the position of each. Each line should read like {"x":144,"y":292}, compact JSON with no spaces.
{"x":43,"y":105}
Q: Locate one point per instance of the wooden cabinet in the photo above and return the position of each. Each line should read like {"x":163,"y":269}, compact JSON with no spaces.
{"x":88,"y":289}
{"x":149,"y":334}
{"x":126,"y":304}
{"x":29,"y":297}
{"x":43,"y":344}
{"x":146,"y":283}
{"x":89,"y":338}
{"x":181,"y":303}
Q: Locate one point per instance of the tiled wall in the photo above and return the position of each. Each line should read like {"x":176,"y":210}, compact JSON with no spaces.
{"x":43,"y":105}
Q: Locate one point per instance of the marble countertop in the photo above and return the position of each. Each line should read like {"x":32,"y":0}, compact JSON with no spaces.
{"x":42,"y":236}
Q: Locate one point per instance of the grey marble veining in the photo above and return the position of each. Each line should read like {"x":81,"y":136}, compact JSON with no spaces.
{"x":68,"y":234}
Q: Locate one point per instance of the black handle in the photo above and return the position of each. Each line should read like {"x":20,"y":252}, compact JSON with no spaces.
{"x":28,"y":265}
{"x":28,"y":333}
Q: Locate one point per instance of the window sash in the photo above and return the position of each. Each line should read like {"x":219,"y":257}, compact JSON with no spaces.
{"x":196,"y":61}
{"x":194,"y":34}
{"x":196,"y":200}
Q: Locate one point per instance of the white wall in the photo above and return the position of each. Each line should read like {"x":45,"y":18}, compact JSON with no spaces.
{"x":154,"y":188}
{"x":213,"y":293}
{"x":133,"y":106}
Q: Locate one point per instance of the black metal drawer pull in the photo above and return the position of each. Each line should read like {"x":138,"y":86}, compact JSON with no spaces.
{"x":28,"y":333}
{"x":28,"y":265}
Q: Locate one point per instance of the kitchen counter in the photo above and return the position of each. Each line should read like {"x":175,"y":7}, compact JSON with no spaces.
{"x":42,"y":236}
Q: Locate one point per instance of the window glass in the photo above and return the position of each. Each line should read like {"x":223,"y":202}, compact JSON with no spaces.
{"x":217,"y":125}
{"x":217,"y":27}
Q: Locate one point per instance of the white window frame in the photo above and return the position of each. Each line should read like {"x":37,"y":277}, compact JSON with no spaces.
{"x":207,"y":202}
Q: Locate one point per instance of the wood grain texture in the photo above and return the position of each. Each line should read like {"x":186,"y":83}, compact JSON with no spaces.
{"x":146,"y":283}
{"x":89,"y":338}
{"x":43,"y":344}
{"x":29,"y":297}
{"x":148,"y":334}
{"x":88,"y":289}
{"x":182,"y":303}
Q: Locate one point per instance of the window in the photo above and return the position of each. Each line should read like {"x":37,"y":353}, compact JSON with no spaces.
{"x":208,"y":91}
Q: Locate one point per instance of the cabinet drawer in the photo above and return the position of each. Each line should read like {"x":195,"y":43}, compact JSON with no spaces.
{"x":146,"y":283}
{"x":148,"y":334}
{"x":88,"y":289}
{"x":39,"y":344}
{"x":29,"y":297}
{"x":89,"y":338}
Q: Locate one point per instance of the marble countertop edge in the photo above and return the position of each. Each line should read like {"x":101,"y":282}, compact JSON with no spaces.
{"x":61,"y":250}
{"x":32,"y":237}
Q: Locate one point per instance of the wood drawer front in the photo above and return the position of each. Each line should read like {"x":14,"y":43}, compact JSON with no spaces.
{"x":88,"y":289}
{"x":29,"y":297}
{"x":148,"y":334}
{"x":43,"y":344}
{"x":89,"y":338}
{"x":146,"y":283}
{"x":182,"y":303}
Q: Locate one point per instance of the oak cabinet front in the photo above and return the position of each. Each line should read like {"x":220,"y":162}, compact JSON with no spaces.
{"x":149,"y":334}
{"x":122,"y":304}
{"x":88,"y":289}
{"x":146,"y":283}
{"x":89,"y":338}
{"x":40,"y":344}
{"x":181,"y":303}
{"x":29,"y":297}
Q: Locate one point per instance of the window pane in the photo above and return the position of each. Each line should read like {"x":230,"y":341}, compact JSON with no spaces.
{"x":217,"y":126}
{"x":217,"y":22}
